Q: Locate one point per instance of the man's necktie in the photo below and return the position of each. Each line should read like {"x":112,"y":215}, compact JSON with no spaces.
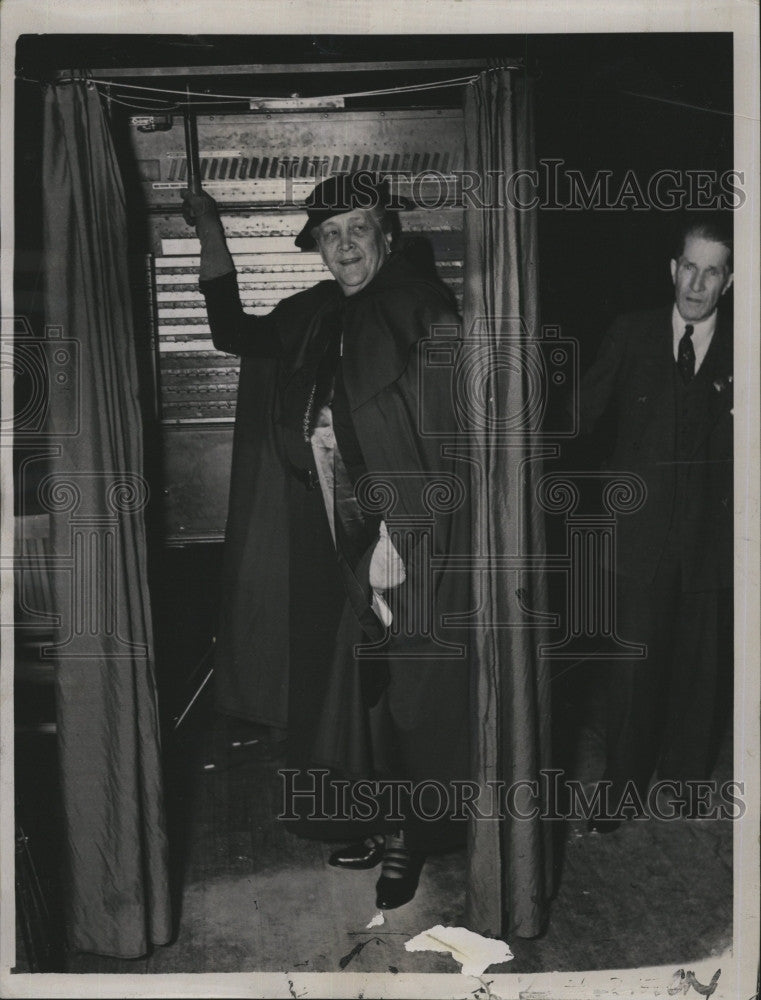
{"x":685,"y":359}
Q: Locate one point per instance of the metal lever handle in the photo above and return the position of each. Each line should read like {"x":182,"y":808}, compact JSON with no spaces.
{"x":191,"y":153}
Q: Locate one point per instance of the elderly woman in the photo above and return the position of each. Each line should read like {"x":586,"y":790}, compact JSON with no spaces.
{"x":345,"y":411}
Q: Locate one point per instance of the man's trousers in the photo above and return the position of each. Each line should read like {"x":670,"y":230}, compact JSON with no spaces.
{"x":664,"y":709}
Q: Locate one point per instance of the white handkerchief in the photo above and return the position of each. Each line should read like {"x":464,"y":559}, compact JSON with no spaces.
{"x":386,"y":566}
{"x":381,"y":609}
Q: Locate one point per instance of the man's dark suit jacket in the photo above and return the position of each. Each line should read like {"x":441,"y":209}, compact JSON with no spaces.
{"x":634,"y":378}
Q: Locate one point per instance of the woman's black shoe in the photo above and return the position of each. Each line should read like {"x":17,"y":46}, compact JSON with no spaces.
{"x":361,"y":854}
{"x":401,"y":873}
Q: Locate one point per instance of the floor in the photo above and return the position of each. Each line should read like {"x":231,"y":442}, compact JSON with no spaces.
{"x":255,"y":897}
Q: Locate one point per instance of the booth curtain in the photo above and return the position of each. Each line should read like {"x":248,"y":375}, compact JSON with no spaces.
{"x":509,"y":859}
{"x":116,"y":888}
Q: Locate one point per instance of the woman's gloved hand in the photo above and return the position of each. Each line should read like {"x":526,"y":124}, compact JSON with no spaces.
{"x":386,"y":567}
{"x":200,"y":210}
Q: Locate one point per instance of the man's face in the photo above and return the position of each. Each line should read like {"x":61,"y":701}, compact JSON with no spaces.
{"x":353,"y":247}
{"x":701,"y":275}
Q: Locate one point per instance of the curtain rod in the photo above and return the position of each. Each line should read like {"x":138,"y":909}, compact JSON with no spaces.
{"x":105,"y":88}
{"x":277,"y":69}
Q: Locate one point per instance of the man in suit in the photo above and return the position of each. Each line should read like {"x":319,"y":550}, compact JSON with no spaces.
{"x":666,"y":377}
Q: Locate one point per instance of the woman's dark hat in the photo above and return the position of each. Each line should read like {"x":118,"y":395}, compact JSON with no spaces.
{"x":343,"y":193}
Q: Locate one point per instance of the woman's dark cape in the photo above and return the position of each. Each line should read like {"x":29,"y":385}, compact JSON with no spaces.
{"x":404,"y":417}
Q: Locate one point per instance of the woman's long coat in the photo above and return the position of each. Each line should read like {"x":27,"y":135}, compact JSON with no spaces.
{"x":399,"y":334}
